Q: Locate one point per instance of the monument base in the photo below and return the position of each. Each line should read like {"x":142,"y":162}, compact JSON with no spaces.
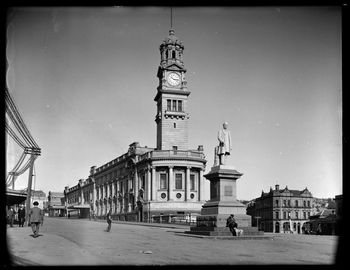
{"x":223,"y":203}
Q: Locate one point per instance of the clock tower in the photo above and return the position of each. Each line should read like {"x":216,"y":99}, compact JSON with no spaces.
{"x":172,"y":94}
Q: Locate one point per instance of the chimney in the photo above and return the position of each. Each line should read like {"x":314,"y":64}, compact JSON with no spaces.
{"x":200,"y":148}
{"x":92,"y":170}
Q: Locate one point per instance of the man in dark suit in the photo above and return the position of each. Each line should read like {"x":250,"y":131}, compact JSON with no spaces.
{"x":109,"y":220}
{"x":36,"y":217}
{"x":11,"y":216}
{"x":231,"y":224}
{"x":21,"y":216}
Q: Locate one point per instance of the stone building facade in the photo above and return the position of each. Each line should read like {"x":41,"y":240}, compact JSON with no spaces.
{"x":146,"y":184}
{"x":281,"y":211}
{"x":54,"y":204}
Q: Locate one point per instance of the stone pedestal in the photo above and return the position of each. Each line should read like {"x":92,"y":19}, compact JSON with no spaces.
{"x":223,"y":202}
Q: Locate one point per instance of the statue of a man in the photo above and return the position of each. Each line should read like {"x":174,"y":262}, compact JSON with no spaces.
{"x":225,"y":145}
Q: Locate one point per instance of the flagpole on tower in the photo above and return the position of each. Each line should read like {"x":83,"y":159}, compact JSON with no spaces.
{"x":171,"y":18}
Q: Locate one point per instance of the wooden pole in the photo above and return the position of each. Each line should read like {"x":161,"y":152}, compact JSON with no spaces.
{"x":29,"y":189}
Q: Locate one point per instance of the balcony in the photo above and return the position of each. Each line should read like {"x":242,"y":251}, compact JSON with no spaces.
{"x":173,"y":154}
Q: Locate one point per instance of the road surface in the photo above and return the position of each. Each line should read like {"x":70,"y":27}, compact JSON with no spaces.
{"x":83,"y":242}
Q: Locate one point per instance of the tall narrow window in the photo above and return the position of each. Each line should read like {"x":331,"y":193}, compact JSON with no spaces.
{"x":304,"y":203}
{"x":277,"y":215}
{"x":179,"y":105}
{"x":168,"y":105}
{"x":173,"y":54}
{"x":178,"y":181}
{"x":284,"y":215}
{"x":162,"y":177}
{"x":192,"y":182}
{"x":308,"y":203}
{"x":174,"y":125}
{"x":296,"y":203}
{"x":296,"y":215}
{"x":143,"y":182}
{"x":174,"y":105}
{"x":166,"y":54}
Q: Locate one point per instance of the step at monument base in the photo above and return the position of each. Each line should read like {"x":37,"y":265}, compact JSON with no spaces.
{"x":223,"y":231}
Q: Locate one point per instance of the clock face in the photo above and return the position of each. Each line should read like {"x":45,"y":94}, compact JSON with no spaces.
{"x":174,"y":79}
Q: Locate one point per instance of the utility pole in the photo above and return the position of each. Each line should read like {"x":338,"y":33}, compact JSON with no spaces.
{"x":29,"y":189}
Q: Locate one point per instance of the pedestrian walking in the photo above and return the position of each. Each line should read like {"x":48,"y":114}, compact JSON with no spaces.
{"x":21,"y":216}
{"x":36,"y":217}
{"x":109,"y":220}
{"x":10,"y":216}
{"x":231,"y":224}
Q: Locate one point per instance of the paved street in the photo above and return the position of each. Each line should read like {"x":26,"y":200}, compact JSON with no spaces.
{"x":83,"y":242}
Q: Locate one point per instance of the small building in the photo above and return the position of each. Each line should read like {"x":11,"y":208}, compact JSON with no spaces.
{"x":281,"y":211}
{"x":54,"y":206}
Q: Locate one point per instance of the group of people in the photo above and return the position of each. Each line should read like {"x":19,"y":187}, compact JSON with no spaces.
{"x":21,"y":214}
{"x":35,"y":215}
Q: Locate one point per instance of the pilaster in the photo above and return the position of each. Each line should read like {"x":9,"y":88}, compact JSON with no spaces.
{"x":171,"y":183}
{"x":188,"y":183}
{"x":154,"y":184}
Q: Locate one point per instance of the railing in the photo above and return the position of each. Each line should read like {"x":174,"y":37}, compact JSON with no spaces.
{"x":172,"y":154}
{"x":174,"y":219}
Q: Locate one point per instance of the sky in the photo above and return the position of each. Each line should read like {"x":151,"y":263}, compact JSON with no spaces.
{"x":84,"y":80}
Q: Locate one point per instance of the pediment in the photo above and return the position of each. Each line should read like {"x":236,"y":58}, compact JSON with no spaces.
{"x":174,"y":67}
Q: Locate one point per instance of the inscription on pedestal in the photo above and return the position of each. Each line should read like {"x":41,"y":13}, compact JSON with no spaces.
{"x":228,"y":191}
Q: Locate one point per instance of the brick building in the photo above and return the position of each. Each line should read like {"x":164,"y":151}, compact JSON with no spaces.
{"x":145,"y":183}
{"x":281,"y":210}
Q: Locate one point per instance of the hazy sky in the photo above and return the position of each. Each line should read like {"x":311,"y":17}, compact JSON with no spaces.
{"x":84,"y":80}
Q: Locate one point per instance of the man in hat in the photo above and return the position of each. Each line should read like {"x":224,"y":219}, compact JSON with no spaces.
{"x":11,"y":216}
{"x":21,"y":216}
{"x":36,"y":217}
{"x":109,"y":220}
{"x":231,"y":224}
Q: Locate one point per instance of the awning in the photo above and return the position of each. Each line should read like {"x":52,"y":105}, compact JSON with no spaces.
{"x":15,"y":197}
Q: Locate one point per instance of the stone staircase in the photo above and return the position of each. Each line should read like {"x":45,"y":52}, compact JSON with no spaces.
{"x":223,"y":231}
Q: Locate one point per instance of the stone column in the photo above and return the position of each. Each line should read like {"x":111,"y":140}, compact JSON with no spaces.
{"x":112,"y":195}
{"x":116,"y":206}
{"x":171,"y":183}
{"x":148,"y":185}
{"x":154,"y":184}
{"x":201,"y":186}
{"x":136,"y":185}
{"x":94,"y":198}
{"x":188,"y":183}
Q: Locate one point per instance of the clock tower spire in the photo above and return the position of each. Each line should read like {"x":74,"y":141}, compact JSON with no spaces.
{"x":172,"y":94}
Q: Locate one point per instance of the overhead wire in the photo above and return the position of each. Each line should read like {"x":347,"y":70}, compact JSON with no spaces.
{"x":18,"y":127}
{"x":14,"y":136}
{"x":20,"y":120}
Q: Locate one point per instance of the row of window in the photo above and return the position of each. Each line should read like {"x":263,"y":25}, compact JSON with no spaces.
{"x":287,"y":215}
{"x":179,"y":180}
{"x":296,"y":203}
{"x":174,"y":105}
